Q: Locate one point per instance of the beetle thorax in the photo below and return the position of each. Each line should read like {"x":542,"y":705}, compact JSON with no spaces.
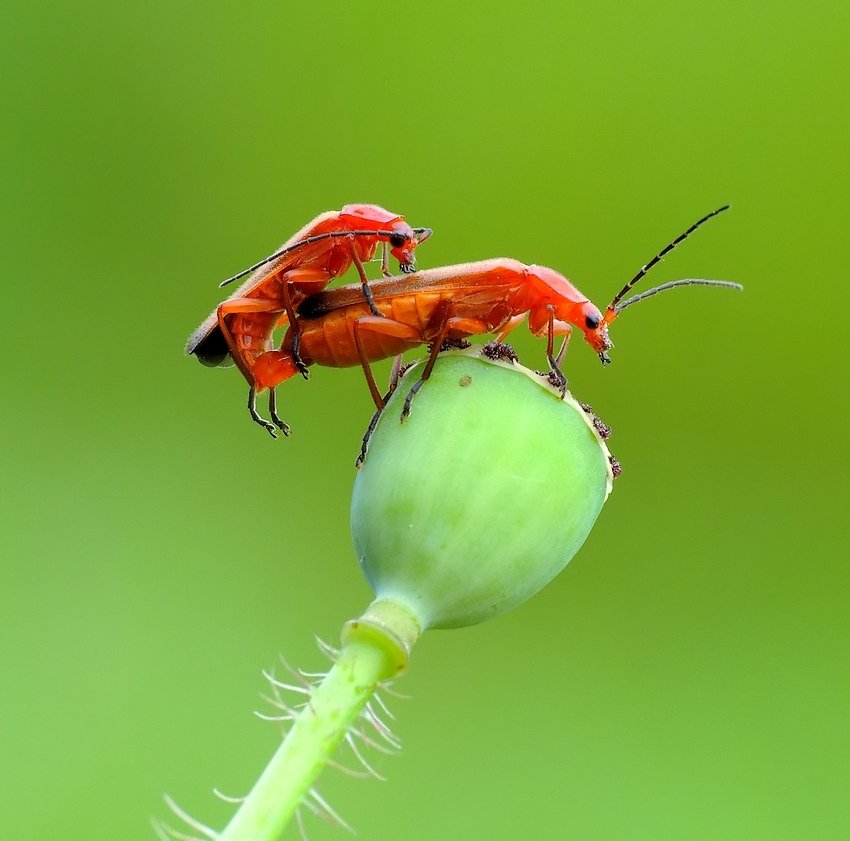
{"x":549,"y":288}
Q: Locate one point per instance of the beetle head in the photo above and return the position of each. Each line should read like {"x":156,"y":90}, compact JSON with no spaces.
{"x":590,"y":321}
{"x":403,"y":240}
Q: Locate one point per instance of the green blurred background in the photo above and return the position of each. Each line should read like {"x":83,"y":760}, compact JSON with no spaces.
{"x":687,"y":677}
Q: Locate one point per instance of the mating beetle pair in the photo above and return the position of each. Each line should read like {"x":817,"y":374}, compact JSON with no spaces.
{"x":362,"y":323}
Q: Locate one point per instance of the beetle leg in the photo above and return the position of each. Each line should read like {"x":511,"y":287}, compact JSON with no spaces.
{"x":304,"y":281}
{"x":385,"y":260}
{"x":364,"y":280}
{"x":235,"y":306}
{"x":408,"y":400}
{"x":252,"y":408}
{"x":384,"y":327}
{"x":293,"y":349}
{"x":367,"y":368}
{"x":426,"y":372}
{"x":395,"y":376}
{"x":276,"y":419}
{"x":367,"y":437}
{"x":558,"y":378}
{"x":296,"y":330}
{"x":456,"y":324}
{"x":562,"y":352}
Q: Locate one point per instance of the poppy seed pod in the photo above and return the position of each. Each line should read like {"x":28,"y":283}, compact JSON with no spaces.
{"x":482,"y":495}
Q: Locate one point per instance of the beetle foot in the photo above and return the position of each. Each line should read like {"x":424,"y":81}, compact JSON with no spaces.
{"x":364,"y":445}
{"x":408,"y":401}
{"x":255,"y":415}
{"x":269,"y":427}
{"x":277,"y":420}
{"x":296,"y":357}
{"x":282,"y":425}
{"x":558,"y":380}
{"x":556,"y":377}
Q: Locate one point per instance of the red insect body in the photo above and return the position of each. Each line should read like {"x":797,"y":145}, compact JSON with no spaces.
{"x":492,"y":296}
{"x":242,"y":326}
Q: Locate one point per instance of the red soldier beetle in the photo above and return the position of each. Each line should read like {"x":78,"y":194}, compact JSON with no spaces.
{"x":242,"y":326}
{"x":336,"y":328}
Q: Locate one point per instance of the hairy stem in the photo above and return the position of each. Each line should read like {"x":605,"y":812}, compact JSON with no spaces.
{"x":375,"y":648}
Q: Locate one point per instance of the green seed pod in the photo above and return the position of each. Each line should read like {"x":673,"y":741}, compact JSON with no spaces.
{"x":481,"y":496}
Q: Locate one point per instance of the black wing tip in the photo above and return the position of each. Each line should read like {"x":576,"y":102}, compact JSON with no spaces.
{"x":210,"y":350}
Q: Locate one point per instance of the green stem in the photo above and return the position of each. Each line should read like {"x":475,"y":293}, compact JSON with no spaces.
{"x":375,"y":648}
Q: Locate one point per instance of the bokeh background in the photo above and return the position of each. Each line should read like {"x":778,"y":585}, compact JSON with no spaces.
{"x":687,"y":676}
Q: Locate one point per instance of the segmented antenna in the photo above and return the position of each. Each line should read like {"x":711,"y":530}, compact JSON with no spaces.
{"x":688,"y":281}
{"x":612,"y":307}
{"x":421,"y":234}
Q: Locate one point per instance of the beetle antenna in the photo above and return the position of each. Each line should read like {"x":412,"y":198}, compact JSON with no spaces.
{"x":688,"y":281}
{"x":613,"y":309}
{"x":309,"y":241}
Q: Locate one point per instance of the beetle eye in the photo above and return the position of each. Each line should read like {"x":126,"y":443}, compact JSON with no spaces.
{"x":592,"y":321}
{"x":397,"y":240}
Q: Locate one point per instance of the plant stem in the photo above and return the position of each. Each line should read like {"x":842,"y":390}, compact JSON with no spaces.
{"x":375,"y":648}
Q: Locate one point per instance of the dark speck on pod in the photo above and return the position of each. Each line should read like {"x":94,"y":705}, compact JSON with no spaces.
{"x":499,"y":350}
{"x":553,"y":379}
{"x":602,"y":428}
{"x":453,"y":344}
